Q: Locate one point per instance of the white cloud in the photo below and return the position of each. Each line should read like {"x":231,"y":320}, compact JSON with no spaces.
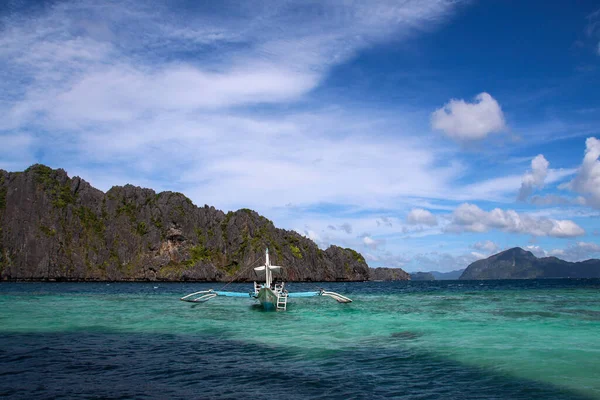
{"x":488,"y":246}
{"x":534,"y":178}
{"x":372,"y":243}
{"x":469,"y":121}
{"x":574,"y":252}
{"x":387,"y":259}
{"x":442,"y":262}
{"x":419,"y":216}
{"x":123,"y":101}
{"x":77,"y":66}
{"x":537,"y":251}
{"x":471,"y":218}
{"x":498,"y":189}
{"x":587,"y":180}
{"x":552,"y":199}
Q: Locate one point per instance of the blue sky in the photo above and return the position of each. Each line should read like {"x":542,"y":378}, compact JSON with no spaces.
{"x":424,"y":134}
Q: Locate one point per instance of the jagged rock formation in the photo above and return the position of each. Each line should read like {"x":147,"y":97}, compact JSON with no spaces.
{"x":53,"y":227}
{"x":422,"y":276}
{"x":517,"y":263}
{"x":388,"y":274}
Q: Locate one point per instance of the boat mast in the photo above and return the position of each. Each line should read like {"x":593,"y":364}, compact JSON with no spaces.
{"x":268,"y":271}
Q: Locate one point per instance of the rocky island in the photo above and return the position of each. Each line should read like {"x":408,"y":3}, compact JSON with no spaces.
{"x":53,"y":227}
{"x":388,"y":274}
{"x":422,"y":276}
{"x":517,"y":263}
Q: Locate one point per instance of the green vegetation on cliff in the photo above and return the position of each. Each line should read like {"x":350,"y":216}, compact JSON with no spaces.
{"x":61,"y":228}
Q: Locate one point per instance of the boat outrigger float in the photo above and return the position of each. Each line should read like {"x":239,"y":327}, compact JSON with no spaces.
{"x":272,"y":296}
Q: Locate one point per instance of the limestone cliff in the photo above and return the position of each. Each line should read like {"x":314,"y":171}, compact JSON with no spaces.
{"x":53,"y":227}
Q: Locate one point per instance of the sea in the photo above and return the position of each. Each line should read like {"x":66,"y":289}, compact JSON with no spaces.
{"x":525,"y":339}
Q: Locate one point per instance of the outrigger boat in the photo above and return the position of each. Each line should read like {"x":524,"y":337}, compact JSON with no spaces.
{"x":271,"y":295}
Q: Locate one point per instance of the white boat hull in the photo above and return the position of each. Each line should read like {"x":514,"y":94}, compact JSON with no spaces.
{"x":267,"y":298}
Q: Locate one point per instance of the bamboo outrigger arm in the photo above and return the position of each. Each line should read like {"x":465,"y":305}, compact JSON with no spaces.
{"x":205,"y":295}
{"x":340,"y":298}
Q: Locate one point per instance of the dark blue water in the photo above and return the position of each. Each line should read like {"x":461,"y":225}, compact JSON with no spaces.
{"x":410,"y":340}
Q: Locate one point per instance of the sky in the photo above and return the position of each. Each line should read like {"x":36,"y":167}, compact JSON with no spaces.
{"x":425,"y":134}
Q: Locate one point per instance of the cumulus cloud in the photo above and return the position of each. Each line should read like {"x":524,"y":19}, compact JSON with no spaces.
{"x":464,"y":121}
{"x":536,"y":250}
{"x":372,"y":243}
{"x":470,"y":218}
{"x":581,"y":251}
{"x":488,"y":246}
{"x":578,"y":251}
{"x":534,"y":178}
{"x":419,"y":216}
{"x":587,"y":179}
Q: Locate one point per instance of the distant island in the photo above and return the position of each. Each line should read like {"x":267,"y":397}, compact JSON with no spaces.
{"x":517,"y":263}
{"x":436,"y":276}
{"x":422,"y":276}
{"x":440,"y":276}
{"x":388,"y":274}
{"x":57,"y":228}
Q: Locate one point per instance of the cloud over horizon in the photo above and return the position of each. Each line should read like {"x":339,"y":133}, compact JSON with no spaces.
{"x":470,"y":218}
{"x":587,"y":179}
{"x":534,"y":178}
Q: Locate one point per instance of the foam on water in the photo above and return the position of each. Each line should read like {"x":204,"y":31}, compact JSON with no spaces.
{"x":505,"y":339}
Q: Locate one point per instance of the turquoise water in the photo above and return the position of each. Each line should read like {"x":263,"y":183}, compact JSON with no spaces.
{"x":414,"y":340}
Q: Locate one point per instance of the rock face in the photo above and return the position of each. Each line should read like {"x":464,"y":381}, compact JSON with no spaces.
{"x":517,"y":263}
{"x":389,"y":274}
{"x":422,"y":276}
{"x":53,"y":227}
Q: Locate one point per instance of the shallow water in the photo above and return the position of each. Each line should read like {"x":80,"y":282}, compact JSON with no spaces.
{"x":414,"y":340}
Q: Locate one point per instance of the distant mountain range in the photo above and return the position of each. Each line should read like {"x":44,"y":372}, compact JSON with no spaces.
{"x":517,"y":263}
{"x":441,"y":276}
{"x":422,"y":276}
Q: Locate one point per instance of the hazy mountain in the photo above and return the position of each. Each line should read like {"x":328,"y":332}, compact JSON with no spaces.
{"x":517,"y":263}
{"x":422,"y":276}
{"x":440,"y":276}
